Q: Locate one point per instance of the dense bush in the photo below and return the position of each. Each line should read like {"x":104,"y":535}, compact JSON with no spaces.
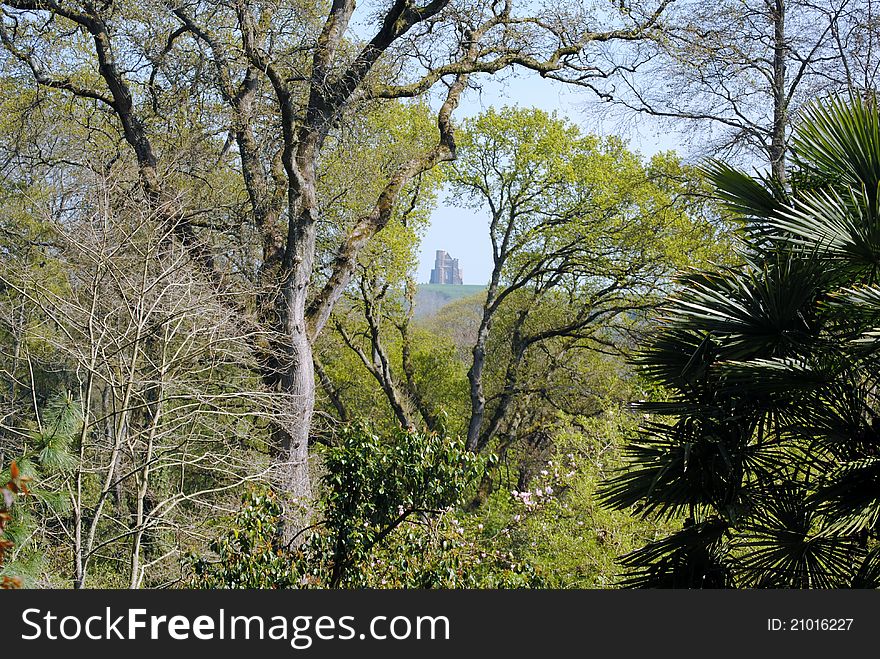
{"x":385,"y":520}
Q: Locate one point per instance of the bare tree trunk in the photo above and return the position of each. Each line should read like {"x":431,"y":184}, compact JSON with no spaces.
{"x":475,"y":378}
{"x":154,"y":397}
{"x":331,"y":391}
{"x":297,"y":368}
{"x":380,"y":365}
{"x":380,"y":369}
{"x":109,"y":412}
{"x":518,"y":346}
{"x":298,"y":385}
{"x":80,"y":551}
{"x":431,"y":419}
{"x":780,"y":101}
{"x":475,"y":373}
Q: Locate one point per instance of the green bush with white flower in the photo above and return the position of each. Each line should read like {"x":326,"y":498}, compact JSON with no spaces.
{"x":386,"y":520}
{"x":554,"y":524}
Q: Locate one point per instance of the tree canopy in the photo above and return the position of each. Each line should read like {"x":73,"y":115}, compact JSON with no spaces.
{"x":217,"y":369}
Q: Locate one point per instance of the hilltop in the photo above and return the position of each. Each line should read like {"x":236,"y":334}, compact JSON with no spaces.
{"x":430,"y":298}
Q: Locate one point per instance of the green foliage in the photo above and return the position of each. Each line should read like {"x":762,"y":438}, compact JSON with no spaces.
{"x":48,"y":458}
{"x":356,"y":165}
{"x":586,"y":236}
{"x":765,"y":438}
{"x":450,"y":552}
{"x":548,"y":517}
{"x":384,"y":522}
{"x":375,"y":484}
{"x":586,"y":199}
{"x":438,"y":372}
{"x":62,"y":421}
{"x":248,"y":554}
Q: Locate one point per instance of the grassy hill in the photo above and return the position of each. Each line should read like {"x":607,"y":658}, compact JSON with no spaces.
{"x":430,"y":298}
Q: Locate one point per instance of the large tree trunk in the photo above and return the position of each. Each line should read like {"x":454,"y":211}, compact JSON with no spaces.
{"x":298,"y":386}
{"x":475,"y":379}
{"x":475,"y":373}
{"x":297,"y":365}
{"x":298,"y":391}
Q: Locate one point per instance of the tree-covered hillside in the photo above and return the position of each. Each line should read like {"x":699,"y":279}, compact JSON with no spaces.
{"x":217,"y":368}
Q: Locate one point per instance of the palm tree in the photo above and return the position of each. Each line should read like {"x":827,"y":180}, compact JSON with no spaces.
{"x":766,"y":442}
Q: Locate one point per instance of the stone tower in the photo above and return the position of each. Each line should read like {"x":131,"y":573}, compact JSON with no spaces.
{"x":446,"y":270}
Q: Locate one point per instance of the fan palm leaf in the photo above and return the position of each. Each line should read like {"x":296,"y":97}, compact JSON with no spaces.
{"x":784,"y":548}
{"x":839,"y":140}
{"x":691,"y":558}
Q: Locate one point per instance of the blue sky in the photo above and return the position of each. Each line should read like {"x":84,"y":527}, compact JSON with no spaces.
{"x":463,"y":232}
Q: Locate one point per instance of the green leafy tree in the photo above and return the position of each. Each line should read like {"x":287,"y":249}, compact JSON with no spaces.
{"x":764,"y":442}
{"x":374,"y":315}
{"x":163,"y":83}
{"x":381,"y":521}
{"x":585,"y":237}
{"x":376,"y":484}
{"x":249,"y":554}
{"x":544,"y":514}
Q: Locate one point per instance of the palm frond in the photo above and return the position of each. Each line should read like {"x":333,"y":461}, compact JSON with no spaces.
{"x":783,"y":547}
{"x":690,"y":558}
{"x":850,"y":497}
{"x":743,"y":195}
{"x":692,"y":462}
{"x":840,"y":226}
{"x":868,"y":575}
{"x":759,"y":312}
{"x":840,"y":140}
